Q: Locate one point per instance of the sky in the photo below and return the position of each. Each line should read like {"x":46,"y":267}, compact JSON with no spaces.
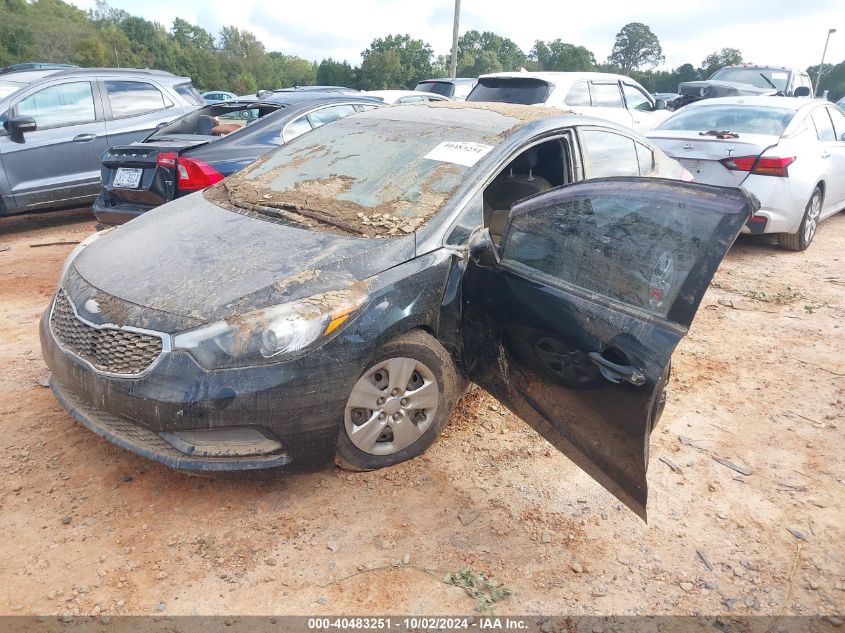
{"x":777,"y":32}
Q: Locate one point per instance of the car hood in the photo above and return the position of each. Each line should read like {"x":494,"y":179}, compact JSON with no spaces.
{"x":191,"y":262}
{"x":710,"y":89}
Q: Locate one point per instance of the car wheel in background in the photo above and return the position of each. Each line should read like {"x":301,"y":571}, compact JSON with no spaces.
{"x":399,"y":405}
{"x":809,"y":224}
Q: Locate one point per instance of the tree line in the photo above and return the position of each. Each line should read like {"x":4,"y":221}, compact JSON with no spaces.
{"x":234,"y":59}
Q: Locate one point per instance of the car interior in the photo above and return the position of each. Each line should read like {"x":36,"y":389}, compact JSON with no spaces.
{"x":217,"y":120}
{"x":535,"y":170}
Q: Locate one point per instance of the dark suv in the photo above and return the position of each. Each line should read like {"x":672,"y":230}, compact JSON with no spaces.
{"x":57,"y":123}
{"x":735,"y":81}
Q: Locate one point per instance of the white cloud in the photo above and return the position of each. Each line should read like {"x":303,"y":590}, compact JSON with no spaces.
{"x":766,"y":32}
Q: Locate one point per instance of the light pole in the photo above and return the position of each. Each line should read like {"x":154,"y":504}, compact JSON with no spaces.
{"x":453,"y":66}
{"x":824,"y":52}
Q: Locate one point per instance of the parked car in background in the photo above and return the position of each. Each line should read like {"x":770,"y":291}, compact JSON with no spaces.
{"x":216,"y":96}
{"x":671,"y":99}
{"x":393,"y":97}
{"x":613,"y":97}
{"x":57,"y":123}
{"x":203,"y":147}
{"x":749,"y":80}
{"x":330,"y":302}
{"x":36,"y":66}
{"x":456,"y":88}
{"x":789,"y":152}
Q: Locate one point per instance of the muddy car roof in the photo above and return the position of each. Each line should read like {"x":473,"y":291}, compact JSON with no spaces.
{"x":493,"y":118}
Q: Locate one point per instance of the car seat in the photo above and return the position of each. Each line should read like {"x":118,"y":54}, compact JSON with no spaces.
{"x":516,"y":182}
{"x":205,"y":124}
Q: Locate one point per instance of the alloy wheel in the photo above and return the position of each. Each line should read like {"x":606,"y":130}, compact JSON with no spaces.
{"x":812,"y":221}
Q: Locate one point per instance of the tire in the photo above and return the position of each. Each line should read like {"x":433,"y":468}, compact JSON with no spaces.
{"x":809,"y":224}
{"x":371,"y":436}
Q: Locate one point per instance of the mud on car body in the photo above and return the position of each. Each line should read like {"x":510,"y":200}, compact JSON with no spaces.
{"x":329,"y":302}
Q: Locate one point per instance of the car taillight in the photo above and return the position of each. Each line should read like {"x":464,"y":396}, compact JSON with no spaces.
{"x":193,"y":174}
{"x":686,"y":176}
{"x":764,"y":167}
{"x":166,"y":159}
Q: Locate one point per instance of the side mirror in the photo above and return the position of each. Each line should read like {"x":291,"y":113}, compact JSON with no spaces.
{"x":482,"y":249}
{"x":801,"y":91}
{"x":660,"y":104}
{"x":20,"y":125}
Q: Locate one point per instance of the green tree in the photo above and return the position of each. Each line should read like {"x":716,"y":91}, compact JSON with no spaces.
{"x":636,"y":46}
{"x":719,"y":59}
{"x":489,"y":52}
{"x":333,"y":73}
{"x":560,"y":56}
{"x":382,"y":70}
{"x":833,"y":80}
{"x":240,"y":43}
{"x":191,"y":36}
{"x":413,"y":56}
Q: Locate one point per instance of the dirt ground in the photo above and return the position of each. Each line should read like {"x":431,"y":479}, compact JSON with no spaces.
{"x":90,"y":528}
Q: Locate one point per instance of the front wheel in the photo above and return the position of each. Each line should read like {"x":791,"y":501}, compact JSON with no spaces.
{"x":399,"y":405}
{"x":809,"y":223}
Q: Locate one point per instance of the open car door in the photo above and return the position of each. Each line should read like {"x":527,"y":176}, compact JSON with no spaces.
{"x":571,"y":321}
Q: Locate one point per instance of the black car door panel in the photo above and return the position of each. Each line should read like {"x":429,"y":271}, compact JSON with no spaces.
{"x":573,"y":328}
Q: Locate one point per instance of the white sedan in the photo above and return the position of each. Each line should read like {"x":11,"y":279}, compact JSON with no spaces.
{"x":391,"y":97}
{"x":789,"y":152}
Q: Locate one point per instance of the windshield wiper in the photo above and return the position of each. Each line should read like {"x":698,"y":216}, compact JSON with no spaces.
{"x":722,"y":134}
{"x":285,"y":211}
{"x":768,"y":81}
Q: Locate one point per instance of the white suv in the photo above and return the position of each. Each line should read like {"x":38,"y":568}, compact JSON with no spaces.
{"x":613,"y":97}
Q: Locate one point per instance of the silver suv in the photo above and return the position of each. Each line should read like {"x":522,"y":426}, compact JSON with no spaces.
{"x":57,"y":123}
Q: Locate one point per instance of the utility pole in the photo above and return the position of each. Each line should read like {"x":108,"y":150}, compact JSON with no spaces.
{"x":821,"y":65}
{"x":453,"y":66}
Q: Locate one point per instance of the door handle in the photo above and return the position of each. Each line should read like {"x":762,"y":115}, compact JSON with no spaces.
{"x":84,"y":138}
{"x":825,"y":155}
{"x":623,"y":372}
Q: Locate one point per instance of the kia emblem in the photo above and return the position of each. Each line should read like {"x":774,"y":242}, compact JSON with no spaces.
{"x":91,"y":306}
{"x":688,"y":147}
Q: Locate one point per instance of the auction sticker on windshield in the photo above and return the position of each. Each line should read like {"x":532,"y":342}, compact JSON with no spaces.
{"x":459,"y":153}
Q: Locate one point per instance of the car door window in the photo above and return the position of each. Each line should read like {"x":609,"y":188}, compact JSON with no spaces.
{"x":131,"y":98}
{"x":634,"y":248}
{"x":824,"y":127}
{"x":57,"y":106}
{"x":645,"y":157}
{"x":606,"y":95}
{"x":609,"y":154}
{"x":635,"y":99}
{"x":838,"y":123}
{"x":579,"y":94}
{"x":411,"y":99}
{"x":295,"y":128}
{"x":327,"y":115}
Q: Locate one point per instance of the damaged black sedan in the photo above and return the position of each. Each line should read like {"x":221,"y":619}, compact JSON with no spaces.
{"x":330,"y":302}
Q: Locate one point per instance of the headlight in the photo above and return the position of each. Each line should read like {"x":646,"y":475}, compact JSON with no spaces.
{"x":271,"y":334}
{"x":79,"y":248}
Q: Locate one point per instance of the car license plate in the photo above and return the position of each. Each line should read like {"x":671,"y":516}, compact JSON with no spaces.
{"x":695,"y":166}
{"x":127,"y":177}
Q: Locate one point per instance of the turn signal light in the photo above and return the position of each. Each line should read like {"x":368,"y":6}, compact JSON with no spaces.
{"x":194,"y":174}
{"x":764,"y":167}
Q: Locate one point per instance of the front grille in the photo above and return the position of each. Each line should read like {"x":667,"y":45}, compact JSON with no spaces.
{"x":109,"y":350}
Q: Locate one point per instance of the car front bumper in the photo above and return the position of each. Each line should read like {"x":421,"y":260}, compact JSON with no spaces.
{"x":299,"y":404}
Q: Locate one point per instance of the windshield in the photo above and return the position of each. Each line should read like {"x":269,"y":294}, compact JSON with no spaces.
{"x":438,"y":87}
{"x":369,"y":177}
{"x":510,"y":90}
{"x":755,"y":77}
{"x":730,"y":118}
{"x":8,"y":87}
